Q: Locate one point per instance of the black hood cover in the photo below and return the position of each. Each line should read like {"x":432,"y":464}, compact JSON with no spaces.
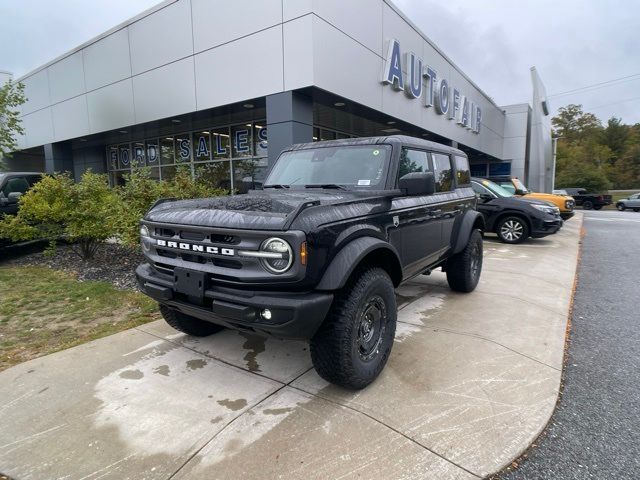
{"x":262,"y":210}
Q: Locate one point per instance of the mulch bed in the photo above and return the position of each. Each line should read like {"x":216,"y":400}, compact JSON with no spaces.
{"x":112,"y":263}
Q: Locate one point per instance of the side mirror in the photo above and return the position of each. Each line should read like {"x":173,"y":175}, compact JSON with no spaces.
{"x":14,"y":197}
{"x":485,"y":197}
{"x":519,"y":192}
{"x":418,"y":183}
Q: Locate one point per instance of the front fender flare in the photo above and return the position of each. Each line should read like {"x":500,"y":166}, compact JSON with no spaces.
{"x":346,"y":261}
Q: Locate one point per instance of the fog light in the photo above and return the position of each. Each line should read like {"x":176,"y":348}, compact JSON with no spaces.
{"x":266,"y":314}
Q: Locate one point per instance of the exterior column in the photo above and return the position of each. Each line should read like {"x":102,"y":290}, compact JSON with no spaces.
{"x":58,"y":157}
{"x":289,"y":121}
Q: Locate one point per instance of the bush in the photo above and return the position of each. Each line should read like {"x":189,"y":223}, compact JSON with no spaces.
{"x":141,"y":191}
{"x":84,"y":213}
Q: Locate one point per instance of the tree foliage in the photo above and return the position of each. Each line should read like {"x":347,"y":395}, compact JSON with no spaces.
{"x":11,"y":97}
{"x":594,"y":156}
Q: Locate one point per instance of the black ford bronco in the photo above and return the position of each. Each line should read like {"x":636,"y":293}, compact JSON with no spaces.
{"x":317,"y":253}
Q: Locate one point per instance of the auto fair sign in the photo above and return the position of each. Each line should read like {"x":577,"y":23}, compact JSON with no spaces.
{"x":447,"y":100}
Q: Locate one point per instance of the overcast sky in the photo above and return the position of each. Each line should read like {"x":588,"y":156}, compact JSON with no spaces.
{"x":573,"y":43}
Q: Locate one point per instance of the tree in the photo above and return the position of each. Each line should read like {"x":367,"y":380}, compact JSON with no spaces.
{"x":11,"y":97}
{"x":573,"y":124}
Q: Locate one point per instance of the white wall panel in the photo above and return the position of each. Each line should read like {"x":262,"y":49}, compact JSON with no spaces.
{"x":36,"y":89}
{"x":165,"y":91}
{"x":111,"y":107}
{"x":39,"y":127}
{"x":247,"y":68}
{"x":160,"y":38}
{"x":345,"y":67}
{"x":70,"y":118}
{"x":394,"y":26}
{"x":219,"y":21}
{"x":107,"y":60}
{"x":360,"y":19}
{"x":66,"y":78}
{"x":298,"y":53}
{"x":296,"y":8}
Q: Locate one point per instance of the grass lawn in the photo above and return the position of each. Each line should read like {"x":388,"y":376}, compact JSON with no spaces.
{"x":44,"y":310}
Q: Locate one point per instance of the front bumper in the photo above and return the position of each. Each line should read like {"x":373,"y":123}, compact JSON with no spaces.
{"x":567,"y":215}
{"x":293,"y":315}
{"x":542,"y":228}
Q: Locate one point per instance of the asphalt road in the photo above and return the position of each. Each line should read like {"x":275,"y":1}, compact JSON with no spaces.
{"x":595,"y":431}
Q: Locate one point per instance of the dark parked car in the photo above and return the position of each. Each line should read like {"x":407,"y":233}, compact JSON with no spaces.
{"x":632,"y":202}
{"x":512,"y":218}
{"x":317,"y":254}
{"x":12,"y":186}
{"x":589,"y":201}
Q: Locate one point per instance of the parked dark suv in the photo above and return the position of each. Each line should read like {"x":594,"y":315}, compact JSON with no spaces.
{"x":12,"y":186}
{"x":316,"y":254}
{"x":512,"y":218}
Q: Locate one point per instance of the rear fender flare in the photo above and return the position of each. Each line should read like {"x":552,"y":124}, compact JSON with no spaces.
{"x":472,"y":220}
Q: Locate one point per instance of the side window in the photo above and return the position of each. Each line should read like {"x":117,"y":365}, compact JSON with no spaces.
{"x":443,"y":172}
{"x":17,"y":184}
{"x":412,"y":161}
{"x":463,"y":173}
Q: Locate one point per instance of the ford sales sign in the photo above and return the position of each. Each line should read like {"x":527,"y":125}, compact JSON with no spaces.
{"x":437,"y":92}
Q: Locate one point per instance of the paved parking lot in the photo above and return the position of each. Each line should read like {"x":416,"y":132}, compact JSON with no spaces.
{"x":471,"y":382}
{"x":595,"y":432}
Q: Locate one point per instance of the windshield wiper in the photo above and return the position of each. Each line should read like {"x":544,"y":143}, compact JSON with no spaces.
{"x":276,"y":185}
{"x":327,"y":185}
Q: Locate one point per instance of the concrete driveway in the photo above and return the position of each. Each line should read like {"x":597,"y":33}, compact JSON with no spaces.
{"x":470,"y":383}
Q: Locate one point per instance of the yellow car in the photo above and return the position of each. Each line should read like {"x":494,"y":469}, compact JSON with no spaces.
{"x":565,"y":203}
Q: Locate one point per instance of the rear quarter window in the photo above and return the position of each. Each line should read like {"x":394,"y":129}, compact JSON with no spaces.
{"x":463,"y":172}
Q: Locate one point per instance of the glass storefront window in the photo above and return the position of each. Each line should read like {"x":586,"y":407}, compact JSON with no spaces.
{"x":124,"y":157}
{"x":249,"y":174}
{"x":153,"y":154}
{"x":327,"y":134}
{"x":183,"y":148}
{"x":202,"y":146}
{"x":138,"y":155}
{"x":168,"y":172}
{"x":113,"y":158}
{"x":217,"y":174}
{"x":260,"y":143}
{"x":220,"y":144}
{"x":166,"y":150}
{"x":241,"y":140}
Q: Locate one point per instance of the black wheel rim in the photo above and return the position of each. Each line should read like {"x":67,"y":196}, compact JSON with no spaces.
{"x":475,"y":257}
{"x":372,"y":323}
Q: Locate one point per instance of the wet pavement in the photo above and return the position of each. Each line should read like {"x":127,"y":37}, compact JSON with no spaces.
{"x":471,"y":381}
{"x":595,"y":431}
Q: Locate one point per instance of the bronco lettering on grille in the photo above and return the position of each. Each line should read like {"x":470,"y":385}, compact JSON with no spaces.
{"x":195,"y":248}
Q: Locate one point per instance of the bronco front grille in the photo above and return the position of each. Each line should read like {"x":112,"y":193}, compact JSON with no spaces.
{"x":195,"y":236}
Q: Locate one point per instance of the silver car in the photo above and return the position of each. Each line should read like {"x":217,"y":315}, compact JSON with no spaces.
{"x":633,"y":202}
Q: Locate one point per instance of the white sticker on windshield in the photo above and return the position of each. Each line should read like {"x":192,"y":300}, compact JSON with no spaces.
{"x":364,"y":183}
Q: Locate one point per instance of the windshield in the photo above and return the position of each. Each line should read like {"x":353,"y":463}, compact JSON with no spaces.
{"x":496,"y":189}
{"x":351,"y":166}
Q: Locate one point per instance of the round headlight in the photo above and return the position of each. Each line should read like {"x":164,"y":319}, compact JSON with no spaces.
{"x":282,"y":258}
{"x":144,"y":231}
{"x":145,"y":238}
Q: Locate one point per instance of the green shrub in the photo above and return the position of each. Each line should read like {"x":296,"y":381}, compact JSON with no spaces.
{"x":141,"y":191}
{"x":85,"y":213}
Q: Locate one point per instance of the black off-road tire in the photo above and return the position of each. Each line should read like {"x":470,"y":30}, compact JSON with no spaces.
{"x":524,"y":229}
{"x":636,"y":209}
{"x":187,"y":324}
{"x":465,"y":267}
{"x":337,"y":355}
{"x":621,"y":207}
{"x":587,"y":205}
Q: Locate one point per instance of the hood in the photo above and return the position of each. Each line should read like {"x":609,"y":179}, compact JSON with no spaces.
{"x":551,"y":196}
{"x":259,"y":210}
{"x":535,"y":201}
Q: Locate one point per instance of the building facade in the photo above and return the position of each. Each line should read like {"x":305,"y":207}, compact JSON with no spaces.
{"x":222,"y":87}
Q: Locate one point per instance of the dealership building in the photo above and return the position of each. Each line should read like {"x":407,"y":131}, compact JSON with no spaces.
{"x":222,"y":87}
